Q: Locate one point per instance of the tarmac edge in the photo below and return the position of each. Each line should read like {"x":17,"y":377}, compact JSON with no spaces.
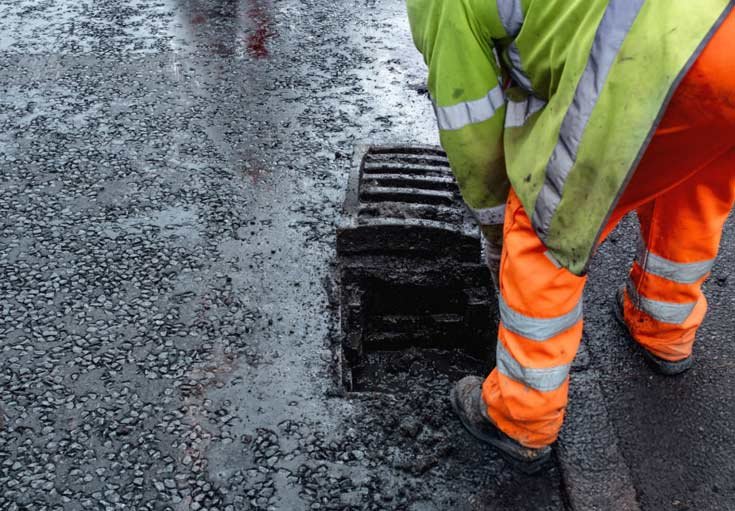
{"x":595,"y":474}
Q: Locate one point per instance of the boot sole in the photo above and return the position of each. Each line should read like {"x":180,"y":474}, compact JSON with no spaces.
{"x":661,"y":366}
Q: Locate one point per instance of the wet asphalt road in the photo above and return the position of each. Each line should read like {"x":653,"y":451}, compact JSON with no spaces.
{"x":171,"y":180}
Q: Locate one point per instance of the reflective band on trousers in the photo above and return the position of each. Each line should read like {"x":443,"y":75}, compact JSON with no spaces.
{"x":612,"y":31}
{"x":553,"y":260}
{"x":516,"y":69}
{"x":490,"y":216}
{"x":665,"y":312}
{"x":518,"y":112}
{"x":683,"y":273}
{"x":511,"y":16}
{"x":537,"y":329}
{"x":545,"y":380}
{"x":458,"y":116}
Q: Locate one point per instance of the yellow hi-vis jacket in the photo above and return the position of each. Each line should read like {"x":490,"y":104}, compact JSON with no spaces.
{"x":591,"y":80}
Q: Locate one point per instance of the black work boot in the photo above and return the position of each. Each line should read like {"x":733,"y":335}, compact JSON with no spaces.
{"x":466,"y":398}
{"x":660,"y":365}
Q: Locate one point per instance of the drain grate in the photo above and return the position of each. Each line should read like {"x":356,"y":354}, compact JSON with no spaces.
{"x":403,"y":199}
{"x":410,"y":268}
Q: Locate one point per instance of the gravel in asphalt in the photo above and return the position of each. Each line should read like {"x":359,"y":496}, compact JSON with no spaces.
{"x":171,"y":175}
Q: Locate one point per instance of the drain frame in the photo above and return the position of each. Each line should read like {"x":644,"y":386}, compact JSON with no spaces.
{"x":417,"y":243}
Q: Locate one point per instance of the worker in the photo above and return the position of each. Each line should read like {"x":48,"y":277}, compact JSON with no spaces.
{"x":558,"y":118}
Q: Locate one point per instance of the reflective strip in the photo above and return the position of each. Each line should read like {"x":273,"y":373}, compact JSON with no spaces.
{"x":518,"y":112}
{"x":612,"y":31}
{"x":537,"y":329}
{"x":544,"y":380}
{"x":458,"y":116}
{"x":511,"y":16}
{"x":683,"y":273}
{"x":553,"y":260}
{"x":665,"y":312}
{"x":490,"y":216}
{"x":516,"y":69}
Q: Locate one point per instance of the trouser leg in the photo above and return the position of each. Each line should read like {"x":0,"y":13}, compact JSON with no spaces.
{"x":538,"y":337}
{"x":680,"y":236}
{"x":683,"y":191}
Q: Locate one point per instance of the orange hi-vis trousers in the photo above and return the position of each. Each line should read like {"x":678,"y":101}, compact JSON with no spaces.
{"x":683,"y":191}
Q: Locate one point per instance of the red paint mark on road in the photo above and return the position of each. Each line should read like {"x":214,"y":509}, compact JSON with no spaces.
{"x":256,"y":173}
{"x":257,"y":41}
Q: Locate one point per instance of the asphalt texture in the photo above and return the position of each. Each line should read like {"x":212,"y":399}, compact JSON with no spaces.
{"x":171,"y":176}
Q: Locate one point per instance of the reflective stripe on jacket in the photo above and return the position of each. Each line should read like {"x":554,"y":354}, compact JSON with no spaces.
{"x":591,"y":79}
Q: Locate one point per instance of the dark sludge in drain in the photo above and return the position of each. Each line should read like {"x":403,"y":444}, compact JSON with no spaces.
{"x":414,"y":294}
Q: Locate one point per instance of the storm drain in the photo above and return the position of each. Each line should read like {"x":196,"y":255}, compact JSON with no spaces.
{"x":414,"y":292}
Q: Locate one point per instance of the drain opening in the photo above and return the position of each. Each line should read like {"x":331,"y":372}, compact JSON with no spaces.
{"x":415,"y":296}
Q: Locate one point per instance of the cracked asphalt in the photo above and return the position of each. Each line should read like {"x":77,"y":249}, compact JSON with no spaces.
{"x":171,"y":176}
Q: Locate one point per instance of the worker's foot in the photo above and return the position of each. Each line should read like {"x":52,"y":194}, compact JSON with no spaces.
{"x":466,"y":398}
{"x":660,"y":365}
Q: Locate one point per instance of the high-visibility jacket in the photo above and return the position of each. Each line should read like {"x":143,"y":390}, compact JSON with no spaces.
{"x":590,"y":80}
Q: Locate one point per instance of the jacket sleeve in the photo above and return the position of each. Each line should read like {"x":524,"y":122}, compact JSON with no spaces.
{"x":464,"y":82}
